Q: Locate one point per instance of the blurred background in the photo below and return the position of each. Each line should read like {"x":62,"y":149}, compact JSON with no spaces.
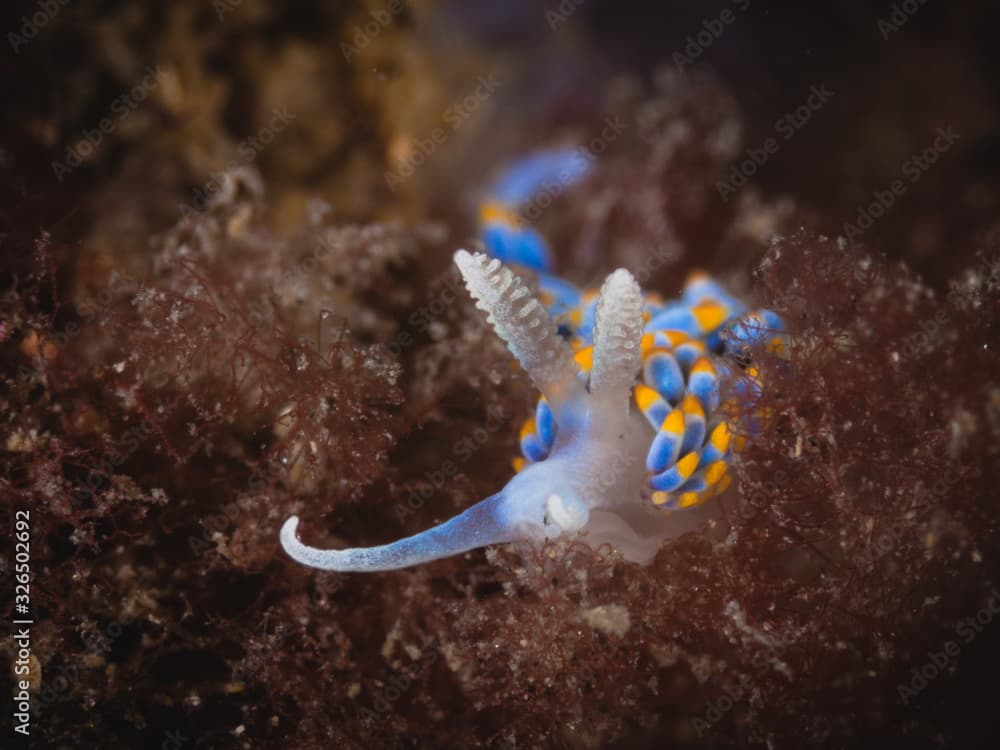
{"x":361,"y":99}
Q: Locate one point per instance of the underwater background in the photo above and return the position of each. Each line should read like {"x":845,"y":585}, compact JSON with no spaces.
{"x":227,"y":297}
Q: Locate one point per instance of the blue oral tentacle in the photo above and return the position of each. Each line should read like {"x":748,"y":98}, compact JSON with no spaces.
{"x":483,"y":524}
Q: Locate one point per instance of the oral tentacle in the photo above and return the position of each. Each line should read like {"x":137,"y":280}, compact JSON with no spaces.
{"x":479,"y":526}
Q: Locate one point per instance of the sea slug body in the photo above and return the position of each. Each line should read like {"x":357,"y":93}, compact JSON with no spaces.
{"x":630,"y":425}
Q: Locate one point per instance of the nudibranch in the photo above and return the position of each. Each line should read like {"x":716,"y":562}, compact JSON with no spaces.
{"x":630,"y":437}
